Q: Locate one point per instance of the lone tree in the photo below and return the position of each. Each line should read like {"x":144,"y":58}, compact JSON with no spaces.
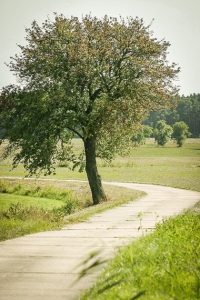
{"x":180,"y":132}
{"x":162,"y":133}
{"x":93,"y":78}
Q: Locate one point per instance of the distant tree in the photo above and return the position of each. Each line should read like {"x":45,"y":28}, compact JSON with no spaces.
{"x":162,"y":133}
{"x":93,"y":78}
{"x":142,"y":134}
{"x":180,"y":132}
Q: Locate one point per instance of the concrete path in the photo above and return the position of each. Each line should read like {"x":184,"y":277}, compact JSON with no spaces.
{"x":46,"y":265}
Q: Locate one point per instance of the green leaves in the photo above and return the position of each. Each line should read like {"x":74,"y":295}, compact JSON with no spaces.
{"x":162,"y":133}
{"x":180,"y":132}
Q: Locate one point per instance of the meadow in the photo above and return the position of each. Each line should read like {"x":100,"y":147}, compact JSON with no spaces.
{"x":168,"y":165}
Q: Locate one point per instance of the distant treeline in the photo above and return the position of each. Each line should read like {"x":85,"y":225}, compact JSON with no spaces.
{"x":188,"y":111}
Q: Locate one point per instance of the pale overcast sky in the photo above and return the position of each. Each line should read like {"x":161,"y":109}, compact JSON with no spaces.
{"x":177,"y":21}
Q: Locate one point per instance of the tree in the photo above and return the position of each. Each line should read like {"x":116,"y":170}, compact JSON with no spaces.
{"x":162,"y":133}
{"x":180,"y":132}
{"x":142,"y":134}
{"x":95,"y":78}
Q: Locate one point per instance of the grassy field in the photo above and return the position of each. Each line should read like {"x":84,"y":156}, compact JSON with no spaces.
{"x":169,"y":165}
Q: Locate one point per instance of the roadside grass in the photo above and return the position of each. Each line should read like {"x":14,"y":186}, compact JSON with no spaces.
{"x":29,"y":206}
{"x":159,"y":266}
{"x":25,"y":210}
{"x":20,"y":220}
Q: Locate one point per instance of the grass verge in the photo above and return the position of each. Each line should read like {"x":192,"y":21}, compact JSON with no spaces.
{"x":164,"y":265}
{"x":24,"y":210}
{"x":19,"y":220}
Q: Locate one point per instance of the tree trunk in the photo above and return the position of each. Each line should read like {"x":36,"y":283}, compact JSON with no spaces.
{"x":94,"y":179}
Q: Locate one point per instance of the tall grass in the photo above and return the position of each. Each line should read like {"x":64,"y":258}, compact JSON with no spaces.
{"x":25,"y":209}
{"x":36,"y":191}
{"x":19,"y":220}
{"x":164,"y":265}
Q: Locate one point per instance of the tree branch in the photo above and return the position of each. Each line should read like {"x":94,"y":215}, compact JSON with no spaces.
{"x":75,"y":131}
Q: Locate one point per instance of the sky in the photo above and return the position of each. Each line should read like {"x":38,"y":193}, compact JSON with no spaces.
{"x":176,"y":21}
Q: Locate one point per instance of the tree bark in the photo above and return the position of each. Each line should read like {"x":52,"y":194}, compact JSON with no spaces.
{"x":98,"y":194}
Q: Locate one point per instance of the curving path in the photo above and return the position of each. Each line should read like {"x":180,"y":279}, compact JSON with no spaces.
{"x":46,"y":265}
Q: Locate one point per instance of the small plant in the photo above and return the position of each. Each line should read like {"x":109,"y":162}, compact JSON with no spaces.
{"x":3,"y":187}
{"x":16,"y":211}
{"x":140,"y":214}
{"x":71,"y":206}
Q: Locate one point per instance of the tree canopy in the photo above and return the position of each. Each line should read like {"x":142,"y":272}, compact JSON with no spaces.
{"x":180,"y":132}
{"x":162,"y":133}
{"x":94,"y":78}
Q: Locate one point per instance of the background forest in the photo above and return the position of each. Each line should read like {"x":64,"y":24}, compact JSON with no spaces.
{"x":187,"y":110}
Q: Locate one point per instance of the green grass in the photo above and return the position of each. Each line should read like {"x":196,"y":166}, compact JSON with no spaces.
{"x":35,"y":191}
{"x":24,"y":210}
{"x":21,"y":214}
{"x":35,"y":220}
{"x":169,"y":166}
{"x":43,"y":203}
{"x":160,"y":266}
